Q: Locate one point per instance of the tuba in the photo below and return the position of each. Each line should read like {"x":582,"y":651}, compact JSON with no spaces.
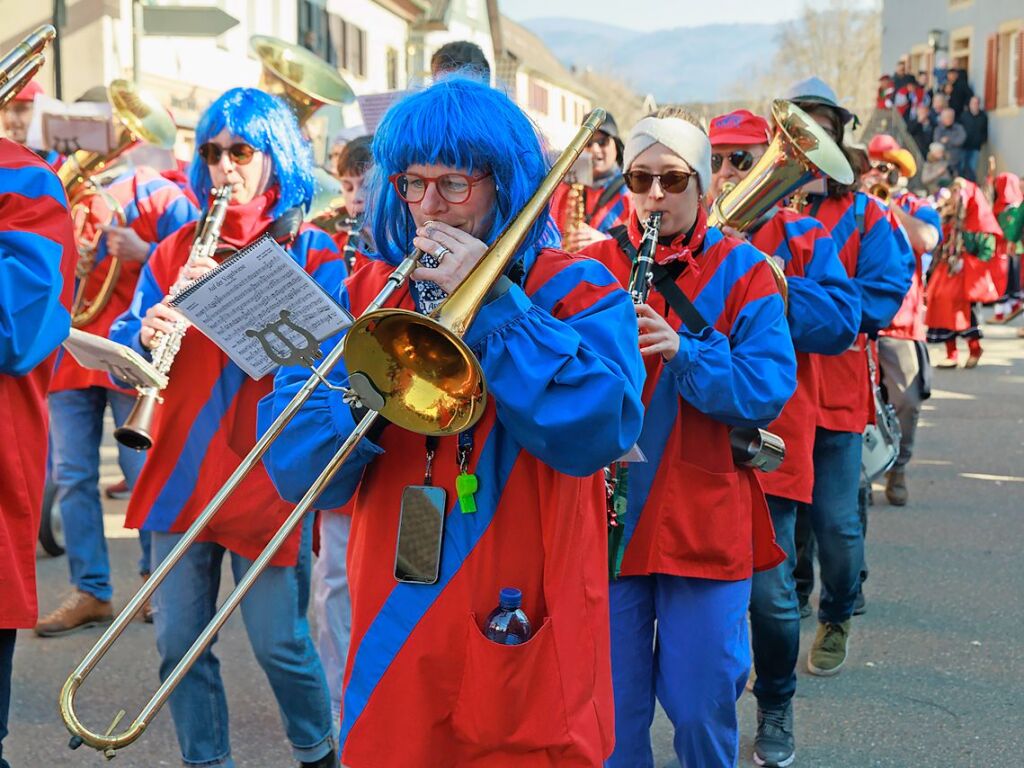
{"x":21,"y":64}
{"x":436,"y":388}
{"x":139,"y":118}
{"x":800,"y":152}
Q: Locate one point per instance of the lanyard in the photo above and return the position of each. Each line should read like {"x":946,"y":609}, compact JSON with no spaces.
{"x":466,"y":483}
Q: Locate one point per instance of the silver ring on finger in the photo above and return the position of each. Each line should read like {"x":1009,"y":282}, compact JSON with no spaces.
{"x":440,"y":252}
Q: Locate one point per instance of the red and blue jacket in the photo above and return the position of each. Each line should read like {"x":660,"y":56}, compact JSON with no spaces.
{"x":37,"y":268}
{"x":207,"y":422}
{"x":909,"y":320}
{"x":616,"y":210}
{"x":877,"y":256}
{"x":690,"y":510}
{"x":154,"y":208}
{"x":823,"y":316}
{"x":423,"y":685}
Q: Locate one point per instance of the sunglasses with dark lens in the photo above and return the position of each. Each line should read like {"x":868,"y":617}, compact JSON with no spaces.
{"x":453,"y":187}
{"x":882,"y":168}
{"x":240,"y":153}
{"x":601,"y":139}
{"x":740,"y":159}
{"x":671,"y":181}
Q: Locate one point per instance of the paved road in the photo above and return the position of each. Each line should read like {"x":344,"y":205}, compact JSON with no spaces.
{"x":934,"y":676}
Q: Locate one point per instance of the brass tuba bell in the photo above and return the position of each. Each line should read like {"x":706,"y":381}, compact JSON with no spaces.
{"x":299,"y":77}
{"x":139,"y":118}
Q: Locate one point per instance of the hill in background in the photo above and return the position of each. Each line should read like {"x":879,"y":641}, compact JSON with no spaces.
{"x":687,"y":64}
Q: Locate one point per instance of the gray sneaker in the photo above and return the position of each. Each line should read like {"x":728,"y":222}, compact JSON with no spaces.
{"x":774,"y":745}
{"x":829,"y":650}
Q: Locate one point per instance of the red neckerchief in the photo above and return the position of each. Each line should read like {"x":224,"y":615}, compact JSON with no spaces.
{"x":684,"y":246}
{"x":244,"y":223}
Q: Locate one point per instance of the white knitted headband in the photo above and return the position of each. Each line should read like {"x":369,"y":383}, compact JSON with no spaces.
{"x":680,"y":136}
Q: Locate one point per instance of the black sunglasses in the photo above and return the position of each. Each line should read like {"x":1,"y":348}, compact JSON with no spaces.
{"x":671,"y":181}
{"x":601,"y":139}
{"x":240,"y":153}
{"x":740,"y":159}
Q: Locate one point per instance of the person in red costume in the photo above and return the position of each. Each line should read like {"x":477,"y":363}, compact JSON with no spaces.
{"x":823,"y":316}
{"x":556,"y":340}
{"x":250,"y":141}
{"x":16,"y":117}
{"x":1007,"y":206}
{"x":902,"y":351}
{"x":37,"y":268}
{"x":152,"y":208}
{"x":729,"y":364}
{"x":961,"y":277}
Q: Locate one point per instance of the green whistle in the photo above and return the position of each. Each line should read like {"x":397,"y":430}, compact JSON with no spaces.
{"x":465,"y":486}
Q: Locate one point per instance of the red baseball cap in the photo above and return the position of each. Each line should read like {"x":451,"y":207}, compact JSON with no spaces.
{"x":740,"y":127}
{"x":880,"y":144}
{"x":29,"y":92}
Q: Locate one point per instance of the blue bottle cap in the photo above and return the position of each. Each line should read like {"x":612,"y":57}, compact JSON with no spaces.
{"x":510,"y":597}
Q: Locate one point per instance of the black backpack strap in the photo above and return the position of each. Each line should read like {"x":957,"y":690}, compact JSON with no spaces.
{"x":665,"y":283}
{"x":607,"y":194}
{"x":620,"y":234}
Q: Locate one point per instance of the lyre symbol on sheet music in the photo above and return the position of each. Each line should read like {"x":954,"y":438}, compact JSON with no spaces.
{"x":277,"y":339}
{"x":66,"y":145}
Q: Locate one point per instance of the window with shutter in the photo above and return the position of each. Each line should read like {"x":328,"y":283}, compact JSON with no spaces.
{"x":991,"y":72}
{"x":1020,"y":68}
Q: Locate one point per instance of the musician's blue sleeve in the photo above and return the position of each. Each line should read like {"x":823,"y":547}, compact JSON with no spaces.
{"x":824,"y":304}
{"x":33,"y":322}
{"x":743,"y":379}
{"x":885,"y":268}
{"x":126,"y":328}
{"x":564,"y":368}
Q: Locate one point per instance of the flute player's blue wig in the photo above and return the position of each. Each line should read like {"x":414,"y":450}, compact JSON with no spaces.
{"x":266,"y":123}
{"x":468,"y":125}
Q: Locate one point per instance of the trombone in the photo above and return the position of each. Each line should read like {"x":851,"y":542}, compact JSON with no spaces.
{"x":382,"y":362}
{"x":20,"y":65}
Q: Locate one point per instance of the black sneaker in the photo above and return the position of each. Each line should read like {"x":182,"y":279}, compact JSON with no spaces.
{"x":805,"y":607}
{"x":330,"y":760}
{"x":774,"y":745}
{"x":860,"y":606}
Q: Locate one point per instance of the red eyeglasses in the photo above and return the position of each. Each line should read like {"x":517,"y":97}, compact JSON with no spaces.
{"x":454,"y":187}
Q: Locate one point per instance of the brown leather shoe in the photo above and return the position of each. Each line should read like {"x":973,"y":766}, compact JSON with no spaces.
{"x":79,"y":611}
{"x":147,"y":607}
{"x":896,"y":488}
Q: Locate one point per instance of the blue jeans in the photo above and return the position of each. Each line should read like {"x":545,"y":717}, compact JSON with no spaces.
{"x":969,"y":164}
{"x":697,"y":667}
{"x":274,"y":613}
{"x":7,"y":638}
{"x":835,"y":519}
{"x":76,"y":429}
{"x":775,"y":615}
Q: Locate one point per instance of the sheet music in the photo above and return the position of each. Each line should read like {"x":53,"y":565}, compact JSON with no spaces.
{"x":246,"y":295}
{"x":100,"y":354}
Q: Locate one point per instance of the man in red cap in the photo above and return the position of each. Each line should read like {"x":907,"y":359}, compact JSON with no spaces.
{"x":16,"y":117}
{"x":902,"y":351}
{"x":823,"y":317}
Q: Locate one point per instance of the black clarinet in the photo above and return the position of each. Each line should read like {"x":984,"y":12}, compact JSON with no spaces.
{"x":640,"y":276}
{"x":353,"y":224}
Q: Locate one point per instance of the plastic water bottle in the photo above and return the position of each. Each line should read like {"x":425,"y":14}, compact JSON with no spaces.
{"x":508,"y":624}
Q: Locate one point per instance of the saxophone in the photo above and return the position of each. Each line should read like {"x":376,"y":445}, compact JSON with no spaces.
{"x":136,"y":432}
{"x":616,"y":477}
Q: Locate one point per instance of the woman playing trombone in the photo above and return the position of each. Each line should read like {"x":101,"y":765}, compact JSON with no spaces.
{"x":453,"y":164}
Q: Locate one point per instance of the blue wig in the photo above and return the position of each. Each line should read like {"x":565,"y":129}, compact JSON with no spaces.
{"x":266,"y":123}
{"x":468,"y":125}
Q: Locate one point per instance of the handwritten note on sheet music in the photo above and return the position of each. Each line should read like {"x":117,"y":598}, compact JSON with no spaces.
{"x":248,"y":292}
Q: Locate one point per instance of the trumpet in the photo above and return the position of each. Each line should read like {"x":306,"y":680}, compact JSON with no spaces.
{"x":881,"y":190}
{"x":137,"y":430}
{"x":376,"y":351}
{"x":21,"y":64}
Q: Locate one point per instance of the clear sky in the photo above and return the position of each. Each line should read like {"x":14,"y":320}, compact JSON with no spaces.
{"x":661,"y":14}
